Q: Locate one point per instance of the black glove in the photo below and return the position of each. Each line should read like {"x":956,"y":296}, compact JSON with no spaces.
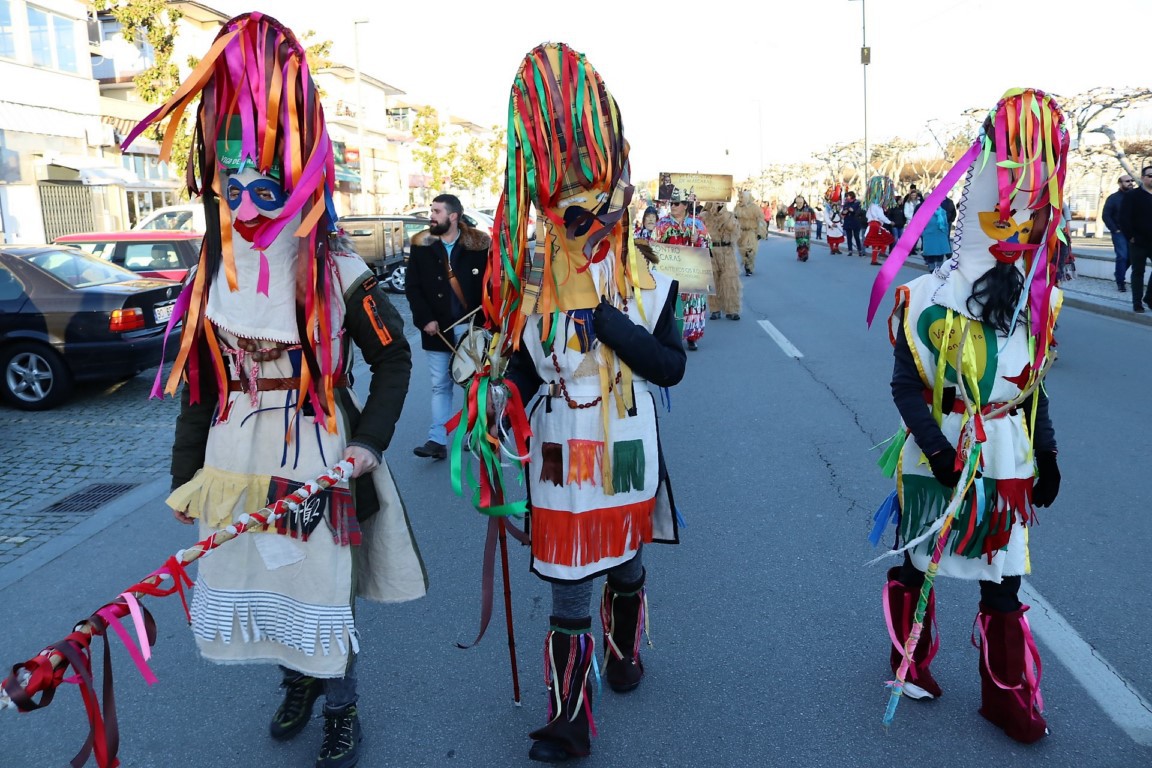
{"x":943,"y":465}
{"x":1047,"y":486}
{"x":611,"y":325}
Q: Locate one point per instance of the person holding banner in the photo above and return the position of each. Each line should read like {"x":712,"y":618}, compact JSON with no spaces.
{"x":681,"y":227}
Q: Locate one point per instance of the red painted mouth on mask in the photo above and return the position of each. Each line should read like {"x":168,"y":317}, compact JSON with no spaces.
{"x":248,"y":229}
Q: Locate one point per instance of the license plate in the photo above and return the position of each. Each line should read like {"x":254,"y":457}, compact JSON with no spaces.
{"x":163,"y":313}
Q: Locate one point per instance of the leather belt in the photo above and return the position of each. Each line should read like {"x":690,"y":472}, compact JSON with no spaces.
{"x":278,"y":385}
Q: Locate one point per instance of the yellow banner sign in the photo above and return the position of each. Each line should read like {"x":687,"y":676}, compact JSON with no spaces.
{"x":691,"y":266}
{"x":707,"y":187}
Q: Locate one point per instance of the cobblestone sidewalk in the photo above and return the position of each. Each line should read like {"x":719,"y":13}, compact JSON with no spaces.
{"x":102,"y":434}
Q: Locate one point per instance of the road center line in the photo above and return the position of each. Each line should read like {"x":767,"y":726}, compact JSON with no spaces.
{"x":1115,"y":695}
{"x":781,"y":340}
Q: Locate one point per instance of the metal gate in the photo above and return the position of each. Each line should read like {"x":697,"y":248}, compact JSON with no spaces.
{"x":67,"y":207}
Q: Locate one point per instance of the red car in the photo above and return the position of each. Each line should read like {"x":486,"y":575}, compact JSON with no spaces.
{"x":147,"y":253}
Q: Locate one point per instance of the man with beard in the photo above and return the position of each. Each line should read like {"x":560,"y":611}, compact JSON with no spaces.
{"x":444,"y":281}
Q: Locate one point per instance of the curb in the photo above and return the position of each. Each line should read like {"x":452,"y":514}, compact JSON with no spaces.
{"x":112,"y":512}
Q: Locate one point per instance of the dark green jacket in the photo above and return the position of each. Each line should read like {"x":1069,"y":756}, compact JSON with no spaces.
{"x":372,"y":428}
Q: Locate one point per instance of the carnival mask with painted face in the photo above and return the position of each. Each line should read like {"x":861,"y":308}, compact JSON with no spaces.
{"x":253,"y":198}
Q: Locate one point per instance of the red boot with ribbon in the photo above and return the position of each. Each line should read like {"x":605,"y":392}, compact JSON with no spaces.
{"x":1010,"y":674}
{"x":899,"y":608}
{"x":623,"y":614}
{"x":568,"y":653}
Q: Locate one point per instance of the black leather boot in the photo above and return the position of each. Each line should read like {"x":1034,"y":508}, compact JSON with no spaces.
{"x":300,"y":693}
{"x":342,"y":736}
{"x":623,"y":610}
{"x":568,"y":652}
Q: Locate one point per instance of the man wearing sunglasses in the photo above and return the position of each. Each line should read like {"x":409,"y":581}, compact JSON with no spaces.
{"x":1136,"y":224}
{"x":1112,"y":220}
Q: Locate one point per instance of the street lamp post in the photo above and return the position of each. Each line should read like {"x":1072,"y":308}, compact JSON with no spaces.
{"x":364,"y":174}
{"x":865,"y":60}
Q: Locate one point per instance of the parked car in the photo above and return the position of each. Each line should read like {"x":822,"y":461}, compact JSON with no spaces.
{"x":384,"y":242}
{"x":474,"y":217}
{"x":67,"y":316}
{"x":188,"y":217}
{"x":150,"y":254}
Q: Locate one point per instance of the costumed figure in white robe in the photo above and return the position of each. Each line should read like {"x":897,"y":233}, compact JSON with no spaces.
{"x":587,"y":334}
{"x":272,"y":312}
{"x":977,"y":452}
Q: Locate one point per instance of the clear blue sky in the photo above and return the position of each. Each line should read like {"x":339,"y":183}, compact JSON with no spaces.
{"x":696,"y":81}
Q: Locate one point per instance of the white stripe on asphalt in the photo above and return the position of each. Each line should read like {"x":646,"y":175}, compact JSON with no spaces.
{"x":781,"y":340}
{"x":1115,"y":695}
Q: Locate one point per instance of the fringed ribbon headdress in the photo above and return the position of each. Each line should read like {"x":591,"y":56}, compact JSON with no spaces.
{"x":566,"y":156}
{"x":1025,"y":137}
{"x":256,"y":74}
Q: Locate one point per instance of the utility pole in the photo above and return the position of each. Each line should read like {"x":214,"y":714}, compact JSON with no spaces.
{"x":865,"y":60}
{"x":365,"y":174}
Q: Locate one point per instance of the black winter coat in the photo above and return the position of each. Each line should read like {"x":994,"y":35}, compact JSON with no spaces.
{"x":426,"y":282}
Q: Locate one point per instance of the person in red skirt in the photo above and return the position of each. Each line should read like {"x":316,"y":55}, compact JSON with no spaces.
{"x":877,"y":237}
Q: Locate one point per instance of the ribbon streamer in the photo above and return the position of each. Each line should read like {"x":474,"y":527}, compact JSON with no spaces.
{"x":42,"y":674}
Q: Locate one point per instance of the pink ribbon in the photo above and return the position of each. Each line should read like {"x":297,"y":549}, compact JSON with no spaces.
{"x":916,"y":227}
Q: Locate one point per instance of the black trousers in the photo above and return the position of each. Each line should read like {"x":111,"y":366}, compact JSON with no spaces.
{"x":1003,"y":597}
{"x":1138,"y":256}
{"x":853,"y":234}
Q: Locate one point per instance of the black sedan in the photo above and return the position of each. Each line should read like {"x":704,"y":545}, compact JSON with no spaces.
{"x":66,"y":316}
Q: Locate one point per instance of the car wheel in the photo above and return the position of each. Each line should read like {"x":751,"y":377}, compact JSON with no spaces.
{"x":397,"y":278}
{"x":33,"y":377}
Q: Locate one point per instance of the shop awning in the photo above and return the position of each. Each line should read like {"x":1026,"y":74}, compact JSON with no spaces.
{"x":90,"y":171}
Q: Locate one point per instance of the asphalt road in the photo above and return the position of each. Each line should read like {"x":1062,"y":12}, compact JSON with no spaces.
{"x":770,"y":647}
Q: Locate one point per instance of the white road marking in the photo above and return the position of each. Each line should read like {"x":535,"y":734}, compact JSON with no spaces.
{"x":1116,"y":696}
{"x":781,"y":340}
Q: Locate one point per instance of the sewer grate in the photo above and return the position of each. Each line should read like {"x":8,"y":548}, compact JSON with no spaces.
{"x":91,"y":498}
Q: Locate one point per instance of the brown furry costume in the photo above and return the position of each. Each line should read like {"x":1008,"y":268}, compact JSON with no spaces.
{"x":726,"y":232}
{"x":752,"y":229}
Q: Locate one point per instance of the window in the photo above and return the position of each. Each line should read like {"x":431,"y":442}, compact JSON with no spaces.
{"x":53,"y":40}
{"x":11,"y":289}
{"x":7,"y":33}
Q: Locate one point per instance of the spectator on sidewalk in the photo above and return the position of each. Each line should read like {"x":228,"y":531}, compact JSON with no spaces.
{"x":854,"y":220}
{"x":1136,"y":224}
{"x":1112,"y":220}
{"x":444,"y":283}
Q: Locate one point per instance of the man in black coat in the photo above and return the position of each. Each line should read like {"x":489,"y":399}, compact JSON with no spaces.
{"x":1112,"y":220}
{"x":444,"y":283}
{"x":1136,"y":224}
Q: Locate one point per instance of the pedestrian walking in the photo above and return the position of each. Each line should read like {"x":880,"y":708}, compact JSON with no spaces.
{"x":1111,"y":218}
{"x":976,"y":452}
{"x":1136,"y":224}
{"x":267,"y":404}
{"x":443,"y":286}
